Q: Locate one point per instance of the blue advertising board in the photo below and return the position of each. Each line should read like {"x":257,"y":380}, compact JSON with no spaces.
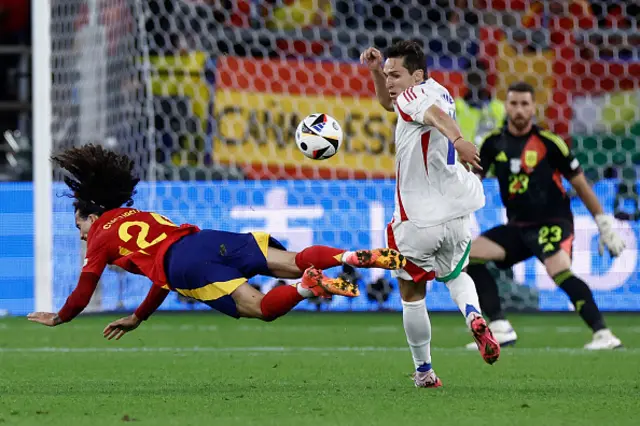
{"x":346,"y":214}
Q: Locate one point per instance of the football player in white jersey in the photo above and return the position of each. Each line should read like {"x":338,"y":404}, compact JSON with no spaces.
{"x":435,"y":194}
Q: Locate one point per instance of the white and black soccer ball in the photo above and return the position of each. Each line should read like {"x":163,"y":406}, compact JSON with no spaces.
{"x":319,"y":136}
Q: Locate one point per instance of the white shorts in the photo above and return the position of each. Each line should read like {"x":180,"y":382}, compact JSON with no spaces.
{"x":439,"y":252}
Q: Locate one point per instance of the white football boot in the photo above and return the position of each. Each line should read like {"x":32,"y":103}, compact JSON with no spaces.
{"x":503,"y":332}
{"x":426,"y":379}
{"x":603,"y":340}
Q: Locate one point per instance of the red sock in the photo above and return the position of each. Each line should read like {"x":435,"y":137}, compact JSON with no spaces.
{"x":279,"y":301}
{"x":321,"y":257}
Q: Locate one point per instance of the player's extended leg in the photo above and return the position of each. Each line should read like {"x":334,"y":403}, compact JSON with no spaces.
{"x":559,"y":268}
{"x":484,"y":250}
{"x":287,"y":264}
{"x":417,"y":327}
{"x":450,"y":259}
{"x":250,"y":303}
{"x":463,"y":293}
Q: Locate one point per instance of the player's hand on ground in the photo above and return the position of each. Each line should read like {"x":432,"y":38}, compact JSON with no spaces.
{"x":372,"y":58}
{"x":608,"y":237}
{"x":45,"y":318}
{"x":468,"y":154}
{"x":120,"y":327}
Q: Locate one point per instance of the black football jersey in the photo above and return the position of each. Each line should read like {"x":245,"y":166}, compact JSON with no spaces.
{"x":529,"y":170}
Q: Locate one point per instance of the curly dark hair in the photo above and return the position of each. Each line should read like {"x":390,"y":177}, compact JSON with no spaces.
{"x":100,"y":179}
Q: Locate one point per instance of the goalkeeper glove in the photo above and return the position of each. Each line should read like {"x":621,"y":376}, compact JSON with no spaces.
{"x":608,"y":237}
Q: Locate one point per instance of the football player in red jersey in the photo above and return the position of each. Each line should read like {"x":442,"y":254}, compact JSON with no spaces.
{"x":207,"y":265}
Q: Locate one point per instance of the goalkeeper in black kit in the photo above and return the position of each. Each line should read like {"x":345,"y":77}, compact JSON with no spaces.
{"x":529,"y":164}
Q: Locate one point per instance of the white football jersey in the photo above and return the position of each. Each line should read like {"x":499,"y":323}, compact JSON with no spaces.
{"x":432,"y":187}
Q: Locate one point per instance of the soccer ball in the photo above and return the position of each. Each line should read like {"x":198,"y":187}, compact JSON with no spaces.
{"x":319,"y":136}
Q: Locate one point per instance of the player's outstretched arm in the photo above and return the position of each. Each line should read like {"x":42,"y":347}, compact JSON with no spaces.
{"x":608,"y":237}
{"x":467,"y":151}
{"x":75,"y":304}
{"x":373,"y":59}
{"x":151,"y":303}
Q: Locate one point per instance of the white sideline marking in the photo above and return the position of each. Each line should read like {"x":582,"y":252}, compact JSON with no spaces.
{"x":310,"y":328}
{"x":291,"y":349}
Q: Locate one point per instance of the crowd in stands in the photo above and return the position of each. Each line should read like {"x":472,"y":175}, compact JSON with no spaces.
{"x":594,"y":30}
{"x":607,"y":29}
{"x":590,"y":31}
{"x":15,"y":38}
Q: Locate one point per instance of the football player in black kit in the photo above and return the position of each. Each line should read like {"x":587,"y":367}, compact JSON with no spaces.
{"x":529,"y":164}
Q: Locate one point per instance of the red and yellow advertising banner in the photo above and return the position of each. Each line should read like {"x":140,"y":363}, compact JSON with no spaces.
{"x":255,"y":105}
{"x":259,"y":103}
{"x":258,"y":128}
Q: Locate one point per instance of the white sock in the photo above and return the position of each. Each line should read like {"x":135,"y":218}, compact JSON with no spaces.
{"x":463,"y":292}
{"x":417,"y":327}
{"x":345,"y":255}
{"x":304,"y":292}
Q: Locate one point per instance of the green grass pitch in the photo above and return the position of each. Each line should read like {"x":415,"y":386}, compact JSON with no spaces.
{"x":311,"y":369}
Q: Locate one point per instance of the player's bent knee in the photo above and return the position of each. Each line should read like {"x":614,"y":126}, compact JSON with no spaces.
{"x":248,"y":301}
{"x":560,"y":261}
{"x":268,"y":319}
{"x":283,"y":264}
{"x":411,"y":291}
{"x":484,"y":250}
{"x":250,"y":310}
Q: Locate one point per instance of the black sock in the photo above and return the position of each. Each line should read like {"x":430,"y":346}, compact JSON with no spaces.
{"x":582,"y":298}
{"x":487,"y":289}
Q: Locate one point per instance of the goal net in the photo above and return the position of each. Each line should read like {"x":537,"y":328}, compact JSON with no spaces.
{"x":99,"y":95}
{"x":206,"y":96}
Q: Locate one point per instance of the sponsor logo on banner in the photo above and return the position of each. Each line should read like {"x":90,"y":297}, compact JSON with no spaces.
{"x":345,"y":213}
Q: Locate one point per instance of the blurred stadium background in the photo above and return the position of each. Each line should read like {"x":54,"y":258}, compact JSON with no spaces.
{"x":206,"y":95}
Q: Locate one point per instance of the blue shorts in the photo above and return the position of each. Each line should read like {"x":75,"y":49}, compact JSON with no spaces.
{"x":210,"y":265}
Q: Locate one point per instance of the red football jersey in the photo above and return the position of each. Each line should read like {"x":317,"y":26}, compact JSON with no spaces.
{"x":134,"y":240}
